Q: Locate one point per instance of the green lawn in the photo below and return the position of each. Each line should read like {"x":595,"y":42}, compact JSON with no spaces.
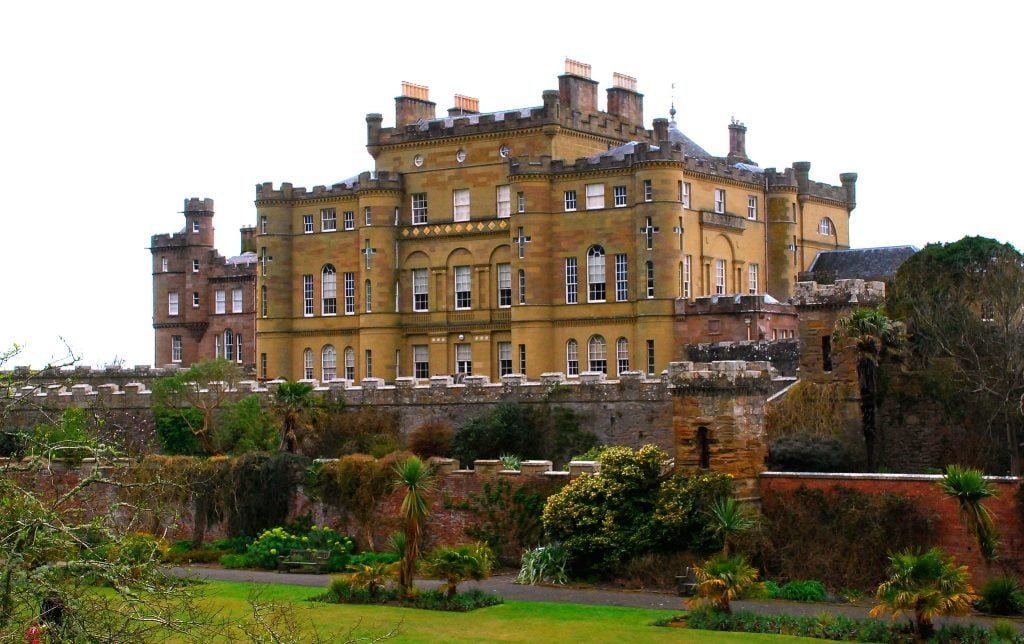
{"x":514,"y":621}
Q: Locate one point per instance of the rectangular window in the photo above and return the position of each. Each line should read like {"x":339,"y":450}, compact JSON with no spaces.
{"x":571,"y":281}
{"x":420,"y":298}
{"x":650,"y":280}
{"x":263,"y":224}
{"x":216,"y":347}
{"x":419,"y":208}
{"x":350,"y":293}
{"x":175,"y":348}
{"x":504,"y":285}
{"x":687,"y":267}
{"x":195,"y":225}
{"x":421,"y":361}
{"x":752,"y":279}
{"x":368,"y":297}
{"x":596,"y":289}
{"x":307,"y":295}
{"x":307,"y":364}
{"x":368,"y":359}
{"x":307,"y":224}
{"x":263,"y":261}
{"x":621,"y":278}
{"x":522,"y":286}
{"x":163,"y":264}
{"x":263,"y":366}
{"x":521,"y":201}
{"x":463,"y":292}
{"x":350,"y":219}
{"x":572,"y":358}
{"x":504,"y":205}
{"x":620,"y":196}
{"x":570,"y":200}
{"x":220,"y":303}
{"x":460,"y":205}
{"x":504,"y":358}
{"x":648,"y":190}
{"x":263,"y":301}
{"x":329,"y":291}
{"x":595,"y":196}
{"x":684,"y":193}
{"x":236,"y":300}
{"x":350,"y":363}
{"x":195,"y":265}
{"x":751,"y":207}
{"x":328,"y":219}
{"x":650,"y":357}
{"x":719,"y":276}
{"x":522,"y":359}
{"x":464,"y":359}
{"x":621,"y":356}
{"x":172,"y":304}
{"x":368,"y":216}
{"x":195,"y":299}
{"x":720,"y":200}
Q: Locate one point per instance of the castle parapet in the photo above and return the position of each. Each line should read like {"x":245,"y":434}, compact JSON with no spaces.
{"x":365,"y":182}
{"x":843,"y":292}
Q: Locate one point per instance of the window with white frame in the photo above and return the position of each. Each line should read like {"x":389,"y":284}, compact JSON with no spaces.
{"x":825,"y":226}
{"x":220,"y":302}
{"x":329,"y":290}
{"x":420,"y":296}
{"x":522,"y":286}
{"x":687,"y":270}
{"x":368,"y":362}
{"x":307,"y":224}
{"x":572,"y":358}
{"x":175,"y":348}
{"x":328,"y":363}
{"x":349,"y":217}
{"x":521,"y":201}
{"x":263,"y":301}
{"x":328,"y":219}
{"x":263,"y":366}
{"x":460,"y":205}
{"x":419,"y":208}
{"x":263,"y":224}
{"x":195,"y":265}
{"x":621,"y":356}
{"x":195,"y":299}
{"x":596,"y":288}
{"x":504,"y":205}
{"x":570,"y":200}
{"x":571,"y":281}
{"x":195,"y":225}
{"x":720,"y":200}
{"x":229,"y":345}
{"x":421,"y":361}
{"x":752,"y":271}
{"x":236,"y":300}
{"x":368,"y":216}
{"x":719,"y":276}
{"x":463,"y":290}
{"x":307,"y":295}
{"x":650,"y":357}
{"x":751,"y":207}
{"x":621,"y":277}
{"x":621,"y":196}
{"x":684,"y":193}
{"x":648,"y":190}
{"x":350,"y":363}
{"x":504,"y":285}
{"x":216,"y":347}
{"x":504,"y":358}
{"x":464,"y":359}
{"x":368,"y":296}
{"x":350,"y":293}
{"x":595,"y":196}
{"x":522,"y":359}
{"x":163,"y":264}
{"x":597,"y":354}
{"x":307,"y":364}
{"x":650,"y":279}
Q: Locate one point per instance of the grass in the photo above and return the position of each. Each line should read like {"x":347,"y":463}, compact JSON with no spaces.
{"x":514,"y":621}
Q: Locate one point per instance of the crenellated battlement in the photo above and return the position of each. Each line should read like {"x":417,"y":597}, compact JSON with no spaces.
{"x":843,"y":292}
{"x":365,"y":182}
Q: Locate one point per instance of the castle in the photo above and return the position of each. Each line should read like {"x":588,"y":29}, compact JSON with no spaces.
{"x":557,"y":238}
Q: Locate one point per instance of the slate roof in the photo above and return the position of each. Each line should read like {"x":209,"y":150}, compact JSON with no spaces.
{"x":877,"y":264}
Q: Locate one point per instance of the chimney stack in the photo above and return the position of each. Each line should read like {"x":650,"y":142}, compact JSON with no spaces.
{"x":576,"y":90}
{"x":738,"y":143}
{"x":464,"y":105}
{"x":414,"y":104}
{"x":624,"y":101}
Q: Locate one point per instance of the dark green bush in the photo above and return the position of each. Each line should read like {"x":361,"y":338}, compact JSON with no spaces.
{"x":13,"y":443}
{"x":807,"y":453}
{"x":245,"y":426}
{"x":829,"y":627}
{"x":1002,"y":596}
{"x":508,"y":518}
{"x":536,"y":432}
{"x":370,"y":558}
{"x":342,"y":591}
{"x":257,"y":489}
{"x":174,"y":430}
{"x":803,"y":591}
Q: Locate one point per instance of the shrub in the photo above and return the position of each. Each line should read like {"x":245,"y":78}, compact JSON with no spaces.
{"x":803,"y":591}
{"x":343,"y":591}
{"x":278,"y":542}
{"x":808,"y":453}
{"x":722,"y":579}
{"x":13,"y":443}
{"x":680,"y":519}
{"x":432,"y":438}
{"x":508,"y":518}
{"x":365,"y":430}
{"x":546,"y":564}
{"x":1002,"y":596}
{"x":456,"y":564}
{"x":356,"y":484}
{"x":257,"y":488}
{"x":510,"y":462}
{"x":830,"y":627}
{"x":174,"y":429}
{"x":69,"y":439}
{"x":536,"y":432}
{"x":244,"y":427}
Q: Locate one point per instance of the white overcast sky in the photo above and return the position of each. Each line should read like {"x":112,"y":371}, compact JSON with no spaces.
{"x":112,"y":113}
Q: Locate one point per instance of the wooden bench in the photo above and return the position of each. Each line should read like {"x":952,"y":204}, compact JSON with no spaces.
{"x":303,"y":560}
{"x":686,"y":583}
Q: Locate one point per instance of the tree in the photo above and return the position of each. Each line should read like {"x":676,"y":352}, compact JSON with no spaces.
{"x":356,"y":484}
{"x":729,"y":519}
{"x":416,"y":479}
{"x":457,"y":564}
{"x":969,"y":489}
{"x":926,"y":585}
{"x":963,"y":303}
{"x":874,"y":337}
{"x":293,"y":402}
{"x":194,"y":397}
{"x":722,"y":579}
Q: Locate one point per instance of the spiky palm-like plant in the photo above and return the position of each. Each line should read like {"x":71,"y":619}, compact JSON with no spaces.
{"x":970,"y":489}
{"x":457,"y":564}
{"x":416,"y":479}
{"x":926,"y":585}
{"x":292,"y":402}
{"x":722,"y":579}
{"x":373,"y":577}
{"x":729,"y":519}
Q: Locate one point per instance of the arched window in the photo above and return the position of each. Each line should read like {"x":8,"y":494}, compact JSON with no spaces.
{"x":329,"y":289}
{"x":329,"y":362}
{"x":597,"y":354}
{"x":596,"y":291}
{"x":350,"y":363}
{"x":703,"y":448}
{"x":622,"y":355}
{"x":307,"y":364}
{"x":572,"y":358}
{"x":825,"y":226}
{"x":229,"y":345}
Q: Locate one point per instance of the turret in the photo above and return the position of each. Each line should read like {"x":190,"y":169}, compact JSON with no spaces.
{"x":849,"y":180}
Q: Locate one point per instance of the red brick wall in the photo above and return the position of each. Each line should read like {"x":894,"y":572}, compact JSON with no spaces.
{"x":950,"y":533}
